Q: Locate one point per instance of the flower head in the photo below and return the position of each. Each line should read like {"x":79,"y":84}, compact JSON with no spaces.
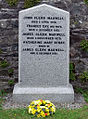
{"x":41,"y":108}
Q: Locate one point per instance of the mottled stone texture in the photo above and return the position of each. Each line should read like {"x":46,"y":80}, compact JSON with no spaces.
{"x":9,"y":35}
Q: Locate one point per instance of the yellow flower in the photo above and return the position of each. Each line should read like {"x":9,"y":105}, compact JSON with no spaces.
{"x":51,"y":109}
{"x":33,"y":111}
{"x":38,"y":110}
{"x":54,"y":109}
{"x":42,"y":114}
{"x":44,"y":102}
{"x":32,"y":103}
{"x":48,"y":105}
{"x":47,"y":110}
{"x":29,"y":106}
{"x":41,"y":108}
{"x":48,"y":114}
{"x":40,"y":103}
{"x":38,"y":106}
{"x":38,"y":115}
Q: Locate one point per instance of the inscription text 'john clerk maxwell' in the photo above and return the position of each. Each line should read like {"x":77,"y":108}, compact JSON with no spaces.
{"x":43,"y":35}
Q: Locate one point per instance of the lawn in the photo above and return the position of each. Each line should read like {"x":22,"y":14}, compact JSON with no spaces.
{"x":81,"y":113}
{"x":22,"y":113}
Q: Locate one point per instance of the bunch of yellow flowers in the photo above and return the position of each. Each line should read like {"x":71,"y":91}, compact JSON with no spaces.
{"x":41,"y":108}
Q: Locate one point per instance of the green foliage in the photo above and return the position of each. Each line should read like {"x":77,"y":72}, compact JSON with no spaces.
{"x":1,"y":100}
{"x":72,"y":74}
{"x":60,"y":114}
{"x":11,"y":82}
{"x":27,"y":3}
{"x":71,"y":66}
{"x":4,"y":64}
{"x":12,"y":2}
{"x":76,"y":22}
{"x":85,"y":95}
{"x":84,"y":76}
{"x":84,"y":45}
{"x":2,"y":93}
{"x":30,"y":3}
{"x":83,"y":92}
{"x":79,"y":90}
{"x":86,"y":2}
{"x":10,"y":71}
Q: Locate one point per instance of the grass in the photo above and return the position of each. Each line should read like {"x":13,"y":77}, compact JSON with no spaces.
{"x":60,"y":114}
{"x":22,"y":113}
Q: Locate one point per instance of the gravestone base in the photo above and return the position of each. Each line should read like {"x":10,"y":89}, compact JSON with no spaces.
{"x":60,"y":94}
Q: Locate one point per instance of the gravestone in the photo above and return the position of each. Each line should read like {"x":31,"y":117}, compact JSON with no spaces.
{"x":43,"y":55}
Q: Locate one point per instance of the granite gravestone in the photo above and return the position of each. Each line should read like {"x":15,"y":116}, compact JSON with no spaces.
{"x":43,"y":55}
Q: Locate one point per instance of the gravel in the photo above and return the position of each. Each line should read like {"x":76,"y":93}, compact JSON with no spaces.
{"x":78,"y":103}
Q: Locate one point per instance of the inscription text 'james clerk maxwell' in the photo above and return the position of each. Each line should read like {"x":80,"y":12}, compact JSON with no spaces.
{"x":46,"y":32}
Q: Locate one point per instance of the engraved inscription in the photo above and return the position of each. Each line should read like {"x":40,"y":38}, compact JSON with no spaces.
{"x":44,"y":35}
